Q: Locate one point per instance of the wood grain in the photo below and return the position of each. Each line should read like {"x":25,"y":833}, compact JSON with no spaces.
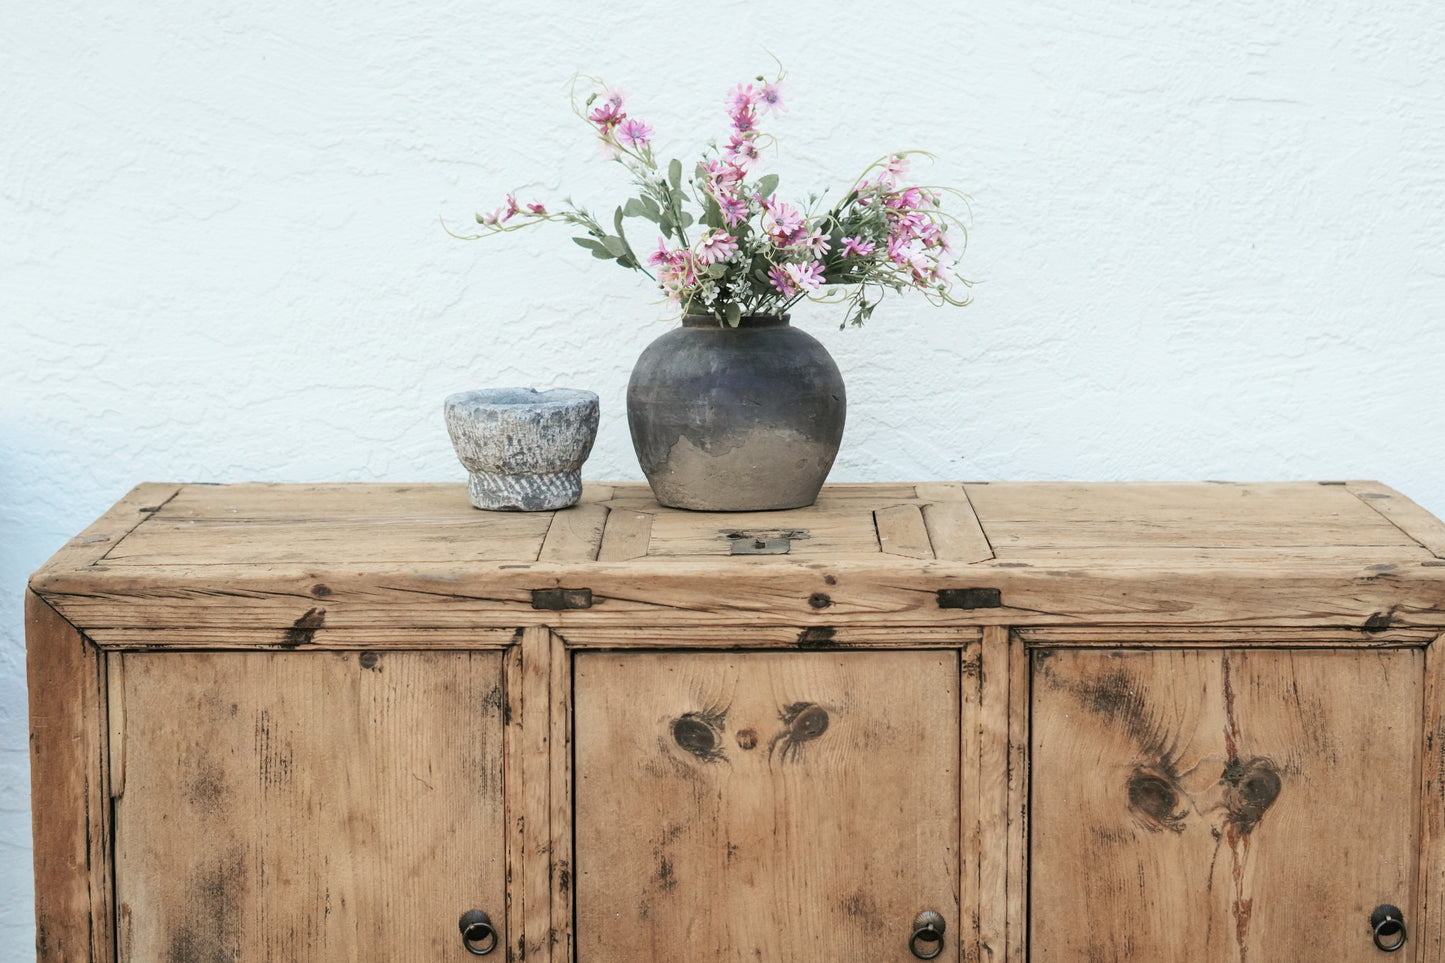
{"x":901,"y":531}
{"x":70,"y":805}
{"x":1220,"y":805}
{"x":308,"y":806}
{"x":787,"y":807}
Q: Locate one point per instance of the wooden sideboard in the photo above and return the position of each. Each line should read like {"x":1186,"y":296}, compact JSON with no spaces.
{"x":1077,"y":722}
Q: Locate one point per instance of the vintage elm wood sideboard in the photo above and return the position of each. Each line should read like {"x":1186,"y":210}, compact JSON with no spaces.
{"x":981,"y":722}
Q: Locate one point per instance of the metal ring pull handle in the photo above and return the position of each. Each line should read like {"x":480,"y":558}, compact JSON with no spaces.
{"x":927,"y":939}
{"x":479,"y":936}
{"x":1388,"y":924}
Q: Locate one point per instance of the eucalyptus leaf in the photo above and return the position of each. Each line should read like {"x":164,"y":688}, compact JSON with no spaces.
{"x":674,"y":174}
{"x":598,"y":249}
{"x":615,"y":246}
{"x":767,"y":184}
{"x":734,"y":313}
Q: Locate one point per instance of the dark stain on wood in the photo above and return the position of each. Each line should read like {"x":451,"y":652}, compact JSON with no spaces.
{"x":303,"y":630}
{"x":320,"y":591}
{"x":819,"y":600}
{"x":700,"y":734}
{"x":370,"y":660}
{"x":1379,"y":622}
{"x":747,"y":738}
{"x":208,"y":930}
{"x":1253,"y":786}
{"x":817,"y":637}
{"x":1154,"y":801}
{"x":802,"y":723}
{"x":665,"y":876}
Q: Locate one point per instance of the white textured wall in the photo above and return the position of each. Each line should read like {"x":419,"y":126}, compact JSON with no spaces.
{"x":1207,"y":236}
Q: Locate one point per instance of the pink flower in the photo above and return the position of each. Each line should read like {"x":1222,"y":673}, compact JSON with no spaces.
{"x":818,"y":243}
{"x":781,"y":280}
{"x":771,"y":99}
{"x":741,"y":152}
{"x":536,"y":207}
{"x":784,"y":224}
{"x":808,"y":276}
{"x":722,"y":179}
{"x":633,"y":133}
{"x":606,"y":116}
{"x":857,"y":247}
{"x":894,"y":168}
{"x":662,"y":256}
{"x":741,"y":99}
{"x":716,"y":246}
{"x":734,"y":209}
{"x":745,"y":121}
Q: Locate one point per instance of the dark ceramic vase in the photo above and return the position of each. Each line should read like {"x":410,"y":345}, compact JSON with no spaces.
{"x":736,"y":419}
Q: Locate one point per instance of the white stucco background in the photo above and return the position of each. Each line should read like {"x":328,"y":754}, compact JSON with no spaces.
{"x":1206,"y":235}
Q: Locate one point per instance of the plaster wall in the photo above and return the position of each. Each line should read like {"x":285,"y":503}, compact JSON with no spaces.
{"x":1206,"y":236}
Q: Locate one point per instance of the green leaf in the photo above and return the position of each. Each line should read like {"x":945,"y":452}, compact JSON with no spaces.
{"x":633,"y":208}
{"x":734,"y":313}
{"x":767,"y":184}
{"x":592,"y":244}
{"x":712,"y":214}
{"x":716,"y":269}
{"x":674,"y":174}
{"x":615,"y":246}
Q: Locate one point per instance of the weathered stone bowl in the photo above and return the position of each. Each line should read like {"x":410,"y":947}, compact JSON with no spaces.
{"x":522,"y":448}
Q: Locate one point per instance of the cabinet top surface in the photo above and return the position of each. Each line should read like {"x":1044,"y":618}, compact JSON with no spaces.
{"x":229,"y":537}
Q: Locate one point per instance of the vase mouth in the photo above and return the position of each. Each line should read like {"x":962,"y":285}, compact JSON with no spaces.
{"x":746,"y":321}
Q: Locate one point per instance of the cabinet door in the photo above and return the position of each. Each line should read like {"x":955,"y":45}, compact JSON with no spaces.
{"x":308,"y":806}
{"x":788,"y":807}
{"x":1208,"y":805}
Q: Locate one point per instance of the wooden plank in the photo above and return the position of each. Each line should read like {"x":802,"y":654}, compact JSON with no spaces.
{"x":70,"y":805}
{"x":626,"y":536}
{"x":1211,"y":798}
{"x":1019,"y":708}
{"x":1079,"y":516}
{"x":323,"y":639}
{"x":1223,"y":635}
{"x":1428,"y":933}
{"x":535,"y":873}
{"x":88,"y":548}
{"x":308,"y":806}
{"x":513,"y":751}
{"x":993,"y":794}
{"x":901,"y":531}
{"x":769,"y":637}
{"x":771,"y":806}
{"x":971,"y":806}
{"x":575,"y":534}
{"x":662,"y":592}
{"x":560,"y":758}
{"x":1404,"y":514}
{"x":351,"y":541}
{"x":953,"y":526}
{"x":115,"y":717}
{"x":845,"y":529}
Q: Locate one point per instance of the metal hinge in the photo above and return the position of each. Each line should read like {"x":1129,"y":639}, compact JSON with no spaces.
{"x":558,"y":599}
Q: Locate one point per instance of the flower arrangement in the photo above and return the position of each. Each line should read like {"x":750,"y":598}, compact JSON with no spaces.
{"x":727,"y":246}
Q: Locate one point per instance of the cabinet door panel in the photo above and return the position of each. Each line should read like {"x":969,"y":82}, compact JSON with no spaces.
{"x":308,"y":806}
{"x":786,"y":807}
{"x":1210,"y":805}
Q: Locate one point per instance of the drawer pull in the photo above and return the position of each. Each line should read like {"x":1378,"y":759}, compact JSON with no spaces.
{"x":1388,"y":924}
{"x":927,"y":939}
{"x":478,"y":934}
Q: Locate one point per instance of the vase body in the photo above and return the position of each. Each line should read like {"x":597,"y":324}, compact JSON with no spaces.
{"x":736,"y":419}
